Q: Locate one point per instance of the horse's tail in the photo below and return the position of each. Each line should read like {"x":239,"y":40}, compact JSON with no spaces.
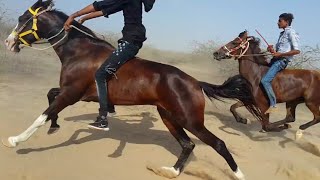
{"x":235,"y":87}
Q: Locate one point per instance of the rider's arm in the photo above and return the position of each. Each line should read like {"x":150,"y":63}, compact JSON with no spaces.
{"x":109,"y":7}
{"x":290,"y":53}
{"x":92,"y":15}
{"x":97,"y":9}
{"x":86,"y":10}
{"x":101,"y":8}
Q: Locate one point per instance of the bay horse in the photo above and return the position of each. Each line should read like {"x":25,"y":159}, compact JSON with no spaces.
{"x":179,"y":98}
{"x":292,"y":86}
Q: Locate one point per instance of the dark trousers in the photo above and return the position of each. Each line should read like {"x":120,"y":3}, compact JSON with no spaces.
{"x":120,"y":56}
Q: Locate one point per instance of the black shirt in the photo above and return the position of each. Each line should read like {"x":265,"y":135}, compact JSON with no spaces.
{"x":133,"y":31}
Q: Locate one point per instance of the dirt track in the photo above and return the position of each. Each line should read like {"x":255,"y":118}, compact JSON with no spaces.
{"x":138,"y":138}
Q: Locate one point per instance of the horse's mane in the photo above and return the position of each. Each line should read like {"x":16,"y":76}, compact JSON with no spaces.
{"x":255,"y":47}
{"x":77,"y":34}
{"x":255,"y":41}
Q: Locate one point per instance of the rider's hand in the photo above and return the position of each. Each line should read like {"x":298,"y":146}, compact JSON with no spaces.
{"x":277,"y":54}
{"x":271,"y":49}
{"x":81,"y":21}
{"x":67,"y":24}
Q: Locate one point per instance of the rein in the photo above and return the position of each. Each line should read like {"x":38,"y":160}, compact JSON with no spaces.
{"x":63,"y":38}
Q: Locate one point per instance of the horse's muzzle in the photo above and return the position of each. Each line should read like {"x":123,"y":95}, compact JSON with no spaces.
{"x":11,"y":44}
{"x":218,"y":56}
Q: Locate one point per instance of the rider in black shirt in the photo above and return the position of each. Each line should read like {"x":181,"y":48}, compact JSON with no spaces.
{"x":134,"y":34}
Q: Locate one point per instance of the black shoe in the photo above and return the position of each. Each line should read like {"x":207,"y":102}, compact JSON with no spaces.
{"x":100,"y":124}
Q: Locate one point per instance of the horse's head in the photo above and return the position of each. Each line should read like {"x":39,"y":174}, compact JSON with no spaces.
{"x":234,"y":48}
{"x":28,"y":30}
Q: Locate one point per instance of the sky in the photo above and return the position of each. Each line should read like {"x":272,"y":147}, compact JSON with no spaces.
{"x":175,"y":24}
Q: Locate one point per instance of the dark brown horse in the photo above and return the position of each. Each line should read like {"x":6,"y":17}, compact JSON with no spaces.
{"x":179,"y":97}
{"x":291,"y":86}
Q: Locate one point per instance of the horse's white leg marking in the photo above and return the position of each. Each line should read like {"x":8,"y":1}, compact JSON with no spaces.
{"x":299,"y":134}
{"x":239,"y":174}
{"x":172,"y":170}
{"x":15,"y":140}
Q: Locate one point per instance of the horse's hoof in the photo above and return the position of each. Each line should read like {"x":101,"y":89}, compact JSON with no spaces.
{"x":262,"y":131}
{"x":8,"y":142}
{"x":168,"y":172}
{"x":247,"y":120}
{"x":239,"y":174}
{"x":244,"y":121}
{"x":299,"y":134}
{"x":52,"y":131}
{"x":287,"y":126}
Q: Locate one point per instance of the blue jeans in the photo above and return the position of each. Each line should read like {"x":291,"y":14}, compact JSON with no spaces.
{"x":120,"y":56}
{"x":277,"y":66}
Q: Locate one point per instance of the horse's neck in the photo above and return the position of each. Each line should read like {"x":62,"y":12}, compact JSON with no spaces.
{"x":74,"y":48}
{"x":251,"y":69}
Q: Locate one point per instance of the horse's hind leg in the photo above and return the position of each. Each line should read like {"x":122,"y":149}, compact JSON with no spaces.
{"x":192,"y":118}
{"x":217,"y":144}
{"x":236,"y":114}
{"x":185,"y":142}
{"x":52,"y":94}
{"x":314,"y":108}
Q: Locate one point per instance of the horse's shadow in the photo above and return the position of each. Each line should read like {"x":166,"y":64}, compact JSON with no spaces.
{"x":126,"y":131}
{"x":250,"y":130}
{"x":230,"y":125}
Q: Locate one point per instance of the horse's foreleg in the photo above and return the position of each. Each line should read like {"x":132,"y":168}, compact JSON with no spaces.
{"x":14,"y":140}
{"x":236,"y":114}
{"x":291,"y":110}
{"x":52,"y":94}
{"x":263,"y":105}
{"x":290,"y":117}
{"x":314,"y":108}
{"x":64,"y":99}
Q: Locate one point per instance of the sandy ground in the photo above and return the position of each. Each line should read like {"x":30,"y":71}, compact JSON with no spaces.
{"x":138,"y":138}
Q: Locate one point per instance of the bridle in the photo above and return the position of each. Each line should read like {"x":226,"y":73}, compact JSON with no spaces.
{"x":19,"y":34}
{"x":244,"y":46}
{"x":35,"y":14}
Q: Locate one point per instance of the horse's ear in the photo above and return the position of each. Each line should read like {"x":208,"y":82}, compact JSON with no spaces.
{"x":244,"y":34}
{"x":48,"y":4}
{"x":37,"y":4}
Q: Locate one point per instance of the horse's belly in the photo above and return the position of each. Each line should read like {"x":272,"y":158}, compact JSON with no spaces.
{"x":133,"y":92}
